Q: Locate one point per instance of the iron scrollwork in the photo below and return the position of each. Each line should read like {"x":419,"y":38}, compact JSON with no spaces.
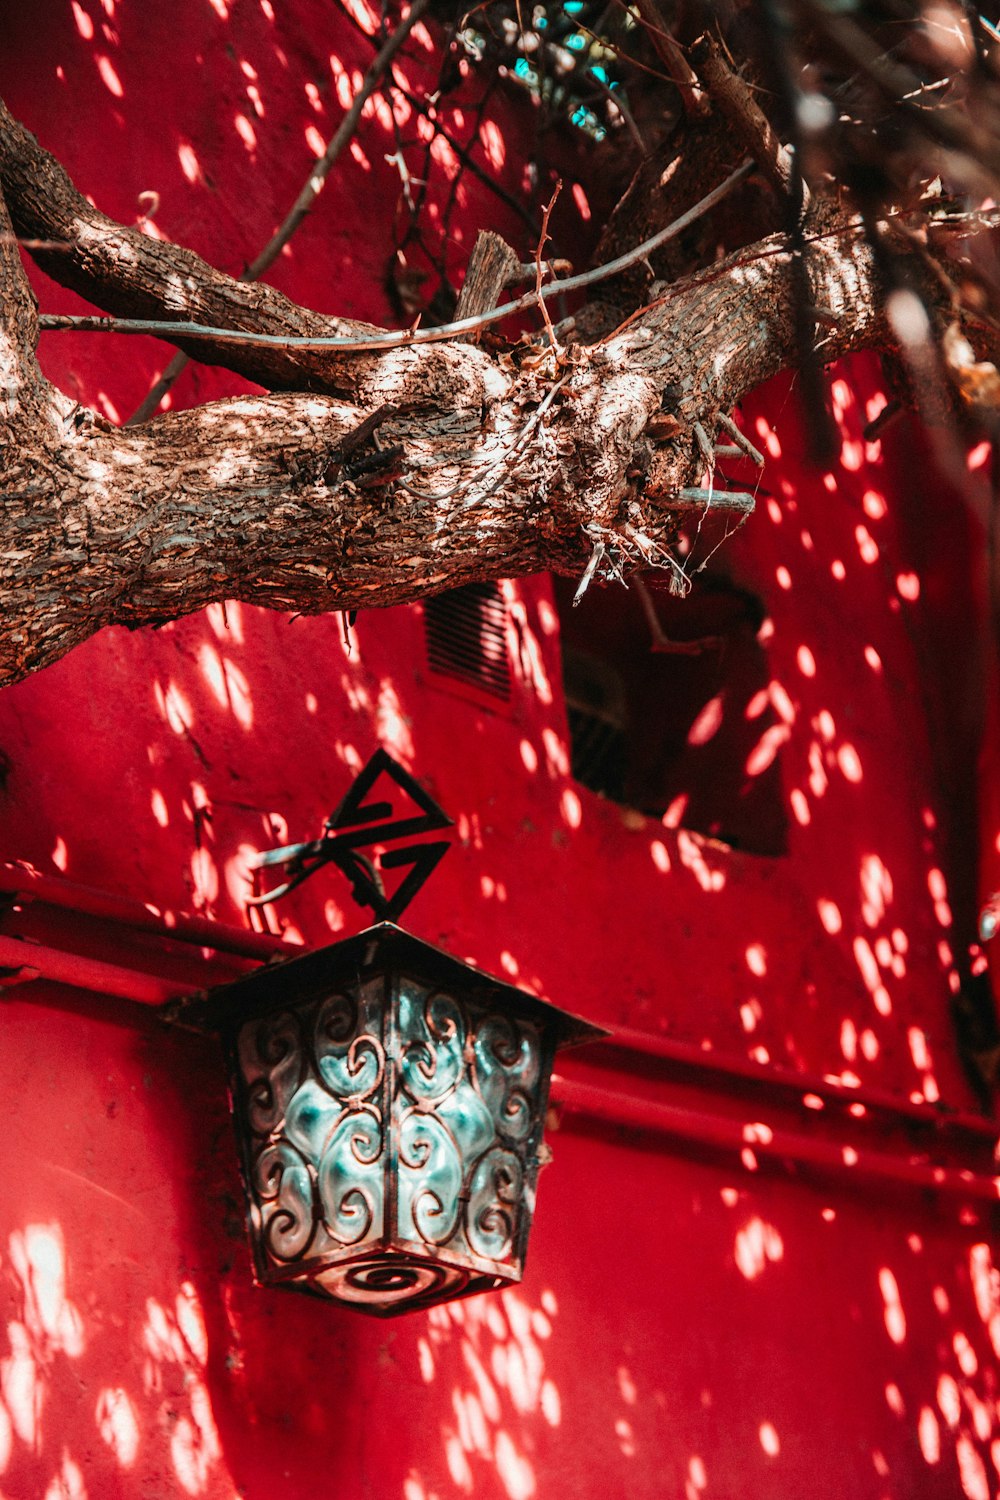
{"x":451,"y":1126}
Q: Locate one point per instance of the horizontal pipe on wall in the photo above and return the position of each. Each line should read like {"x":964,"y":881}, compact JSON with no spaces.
{"x":35,"y":960}
{"x":773,"y":1078}
{"x":725,"y":1134}
{"x":51,"y":890}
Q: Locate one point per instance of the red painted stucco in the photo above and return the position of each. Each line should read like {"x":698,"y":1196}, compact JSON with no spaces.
{"x":696,"y":1319}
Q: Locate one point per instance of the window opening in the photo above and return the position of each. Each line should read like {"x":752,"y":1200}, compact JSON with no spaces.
{"x":660,"y":731}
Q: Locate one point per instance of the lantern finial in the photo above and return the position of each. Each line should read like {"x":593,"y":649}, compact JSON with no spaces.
{"x":357,"y":823}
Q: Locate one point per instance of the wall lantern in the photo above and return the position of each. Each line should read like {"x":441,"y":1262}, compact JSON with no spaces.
{"x":389,"y":1099}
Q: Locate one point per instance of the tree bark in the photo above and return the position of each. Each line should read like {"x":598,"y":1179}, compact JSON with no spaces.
{"x":411,"y":471}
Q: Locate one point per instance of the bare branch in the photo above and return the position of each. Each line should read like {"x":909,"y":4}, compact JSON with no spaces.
{"x":379,"y":340}
{"x":741,"y":109}
{"x":311,"y":190}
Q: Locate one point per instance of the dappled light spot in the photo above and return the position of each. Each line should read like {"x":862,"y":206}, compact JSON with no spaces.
{"x":766,"y":748}
{"x":707,"y":723}
{"x":825,"y":724}
{"x":769,"y":1440}
{"x":556,"y":758}
{"x":876,"y":889}
{"x":949,"y":1400}
{"x":571,"y":808}
{"x":515,"y":1472}
{"x":799,"y":804}
{"x":768,"y":437}
{"x":873,"y":659}
{"x":979,"y":456}
{"x":829,"y":915}
{"x":392,"y":727}
{"x":965,"y":1355}
{"x":547,"y":617}
{"x":245,"y":131}
{"x":908,"y":586}
{"x":874,"y":505}
{"x":971,"y":1470}
{"x":838,"y":570}
{"x":750,"y":1014}
{"x":660,"y":857}
{"x":813,"y":1101}
{"x":625,"y":1436}
{"x":869,"y":1051}
{"x":894,"y":1399}
{"x":84,"y":24}
{"x":783,"y":577}
{"x":867,"y":545}
{"x":918,"y":1048}
{"x":757,"y":704}
{"x":781,"y":702}
{"x":204,"y":879}
{"x":691,"y":855}
{"x":314,"y":140}
{"x":757,"y":1244}
{"x":895,"y":1319}
{"x":805,"y":661}
{"x":109,"y":77}
{"x":774,"y":510}
{"x":929,"y":1436}
{"x":158,"y":807}
{"x":192,"y":171}
{"x":756,"y":959}
{"x":494,"y":148}
{"x":60,"y":855}
{"x":118,"y":1425}
{"x":805,"y":537}
{"x":849,"y":1039}
{"x":582,"y":202}
{"x":850,"y":763}
{"x":68,"y":1483}
{"x":458,"y":1465}
{"x":509,"y":963}
{"x":697,"y":1479}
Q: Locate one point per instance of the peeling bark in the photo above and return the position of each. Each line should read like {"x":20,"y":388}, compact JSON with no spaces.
{"x":377,"y":478}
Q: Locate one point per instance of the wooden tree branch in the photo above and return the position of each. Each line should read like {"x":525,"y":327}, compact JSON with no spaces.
{"x":464,"y":467}
{"x":309,"y":192}
{"x":749,"y":123}
{"x":125,"y":272}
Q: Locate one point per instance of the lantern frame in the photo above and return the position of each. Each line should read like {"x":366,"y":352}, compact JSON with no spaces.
{"x":389,"y":1101}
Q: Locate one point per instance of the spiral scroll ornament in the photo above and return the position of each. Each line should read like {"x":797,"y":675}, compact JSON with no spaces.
{"x":390,"y":1103}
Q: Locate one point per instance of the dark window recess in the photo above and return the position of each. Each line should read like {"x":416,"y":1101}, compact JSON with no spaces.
{"x":655,"y":730}
{"x":466,"y":631}
{"x":595,"y":707}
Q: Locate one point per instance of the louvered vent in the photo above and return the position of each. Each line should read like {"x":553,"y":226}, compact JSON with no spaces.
{"x":467,"y":638}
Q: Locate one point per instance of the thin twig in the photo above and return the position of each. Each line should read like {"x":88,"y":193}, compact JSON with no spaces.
{"x":662,"y":643}
{"x":542,"y":240}
{"x":741,"y":440}
{"x":390,"y":339}
{"x":311,"y":190}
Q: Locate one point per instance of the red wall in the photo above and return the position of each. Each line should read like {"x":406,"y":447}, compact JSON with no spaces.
{"x":697,"y":1318}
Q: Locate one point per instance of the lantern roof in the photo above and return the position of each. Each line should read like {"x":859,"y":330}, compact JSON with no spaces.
{"x":376,"y":949}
